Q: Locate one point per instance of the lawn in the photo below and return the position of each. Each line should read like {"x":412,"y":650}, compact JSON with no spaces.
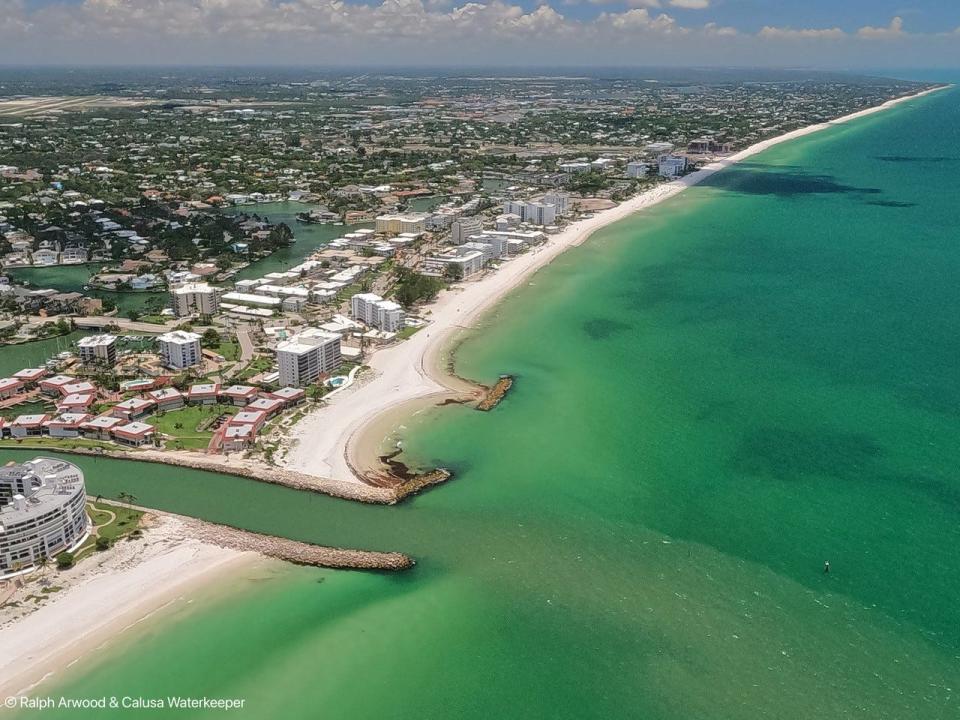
{"x":256,"y":366}
{"x":184,"y":424}
{"x":229,"y":350}
{"x":407,"y":332}
{"x":113,"y":522}
{"x":55,"y":443}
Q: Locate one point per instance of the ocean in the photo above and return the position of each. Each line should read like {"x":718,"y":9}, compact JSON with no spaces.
{"x":713,"y":399}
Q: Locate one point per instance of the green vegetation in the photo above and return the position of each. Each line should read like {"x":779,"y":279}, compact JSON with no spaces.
{"x":50,"y":443}
{"x":230,"y":350}
{"x":111,"y":523}
{"x":65,"y":560}
{"x":413,"y":287}
{"x":189,"y":426}
{"x":407,"y":332}
{"x":255,"y":367}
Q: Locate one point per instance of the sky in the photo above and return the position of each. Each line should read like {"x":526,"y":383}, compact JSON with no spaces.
{"x":829,"y":34}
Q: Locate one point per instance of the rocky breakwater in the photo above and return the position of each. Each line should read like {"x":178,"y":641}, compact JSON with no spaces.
{"x":496,"y":393}
{"x":294,"y":551}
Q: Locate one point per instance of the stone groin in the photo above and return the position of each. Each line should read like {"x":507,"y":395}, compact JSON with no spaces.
{"x":294,"y":551}
{"x":401,"y":480}
{"x":356,"y":491}
{"x":496,"y":393}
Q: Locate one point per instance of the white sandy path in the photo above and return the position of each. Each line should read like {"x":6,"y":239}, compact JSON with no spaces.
{"x":407,"y":371}
{"x":111,"y":592}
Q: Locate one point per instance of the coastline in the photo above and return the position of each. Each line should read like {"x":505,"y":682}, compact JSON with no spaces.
{"x":108,"y":595}
{"x":344,"y":439}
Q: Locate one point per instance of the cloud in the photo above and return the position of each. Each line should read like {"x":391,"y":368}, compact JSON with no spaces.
{"x":691,"y":4}
{"x":715,"y":30}
{"x":657,"y":4}
{"x":893,"y":30}
{"x":420,"y":32}
{"x":640,"y":20}
{"x":784,"y":33}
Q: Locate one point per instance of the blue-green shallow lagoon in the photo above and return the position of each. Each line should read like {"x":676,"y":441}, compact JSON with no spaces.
{"x":712,"y":399}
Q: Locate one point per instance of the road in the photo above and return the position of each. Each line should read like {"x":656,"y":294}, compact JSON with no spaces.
{"x":246,"y":344}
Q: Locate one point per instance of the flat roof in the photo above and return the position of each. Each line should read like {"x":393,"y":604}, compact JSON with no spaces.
{"x":103,"y":421}
{"x":97,"y":341}
{"x":134,"y":428}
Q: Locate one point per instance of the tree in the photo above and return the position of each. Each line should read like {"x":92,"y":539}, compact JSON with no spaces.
{"x":210,"y":338}
{"x":65,"y":560}
{"x":103,"y":543}
{"x":453,"y":272}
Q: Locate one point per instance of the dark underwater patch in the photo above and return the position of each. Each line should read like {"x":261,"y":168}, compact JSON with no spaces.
{"x":604,"y":328}
{"x":782,"y":184}
{"x":914,"y":159}
{"x":892,"y":204}
{"x":794,"y":454}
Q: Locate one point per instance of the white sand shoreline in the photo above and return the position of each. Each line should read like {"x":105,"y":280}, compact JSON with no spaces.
{"x":327,"y":441}
{"x":103,"y":597}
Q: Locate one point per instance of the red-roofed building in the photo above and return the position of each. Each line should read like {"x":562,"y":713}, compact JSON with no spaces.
{"x":240,"y":395}
{"x":167,"y":398}
{"x":133,"y":409}
{"x":54,"y":385}
{"x":31,"y":376}
{"x":28,"y":425}
{"x":271,"y":406}
{"x":100,"y":428}
{"x":10,"y":387}
{"x":134,"y":434}
{"x":81,"y":387}
{"x":66,"y":425}
{"x":76,"y":402}
{"x":290,"y":395}
{"x":254,"y":418}
{"x":238,"y":437}
{"x":204,"y":394}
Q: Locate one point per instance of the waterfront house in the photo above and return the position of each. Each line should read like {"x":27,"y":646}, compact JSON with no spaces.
{"x":9,"y":387}
{"x":238,"y":437}
{"x":290,"y":396}
{"x":100,"y":428}
{"x":270,"y":406}
{"x":134,"y":434}
{"x":54,"y":385}
{"x":28,"y":426}
{"x":66,"y":425}
{"x":254,"y":418}
{"x":30,"y":376}
{"x":133,"y":409}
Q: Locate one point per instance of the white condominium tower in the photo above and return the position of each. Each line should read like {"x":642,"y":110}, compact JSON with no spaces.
{"x":41,"y":513}
{"x":462,"y":228}
{"x":376,"y":312}
{"x":180,"y":349}
{"x":195,"y":299}
{"x":100,"y":349}
{"x":304,"y":357}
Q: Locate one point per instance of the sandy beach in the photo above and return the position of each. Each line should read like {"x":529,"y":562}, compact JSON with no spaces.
{"x":104,"y":596}
{"x":342,"y":438}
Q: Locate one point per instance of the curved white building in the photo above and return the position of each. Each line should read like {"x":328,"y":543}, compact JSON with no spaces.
{"x":42,"y":512}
